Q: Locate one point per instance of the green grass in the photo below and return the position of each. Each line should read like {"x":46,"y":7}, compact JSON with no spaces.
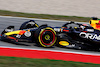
{"x":44,"y":16}
{"x":26,"y":62}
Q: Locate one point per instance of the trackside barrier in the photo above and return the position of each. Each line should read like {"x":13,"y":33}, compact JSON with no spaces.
{"x":42,"y":54}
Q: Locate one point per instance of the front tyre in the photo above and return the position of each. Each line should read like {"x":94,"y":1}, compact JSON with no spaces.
{"x":47,"y":37}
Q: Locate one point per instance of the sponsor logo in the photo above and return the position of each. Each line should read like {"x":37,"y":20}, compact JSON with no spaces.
{"x":89,"y":36}
{"x":27,"y":34}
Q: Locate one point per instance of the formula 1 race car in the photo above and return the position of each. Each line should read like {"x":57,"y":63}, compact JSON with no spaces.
{"x":70,"y":35}
{"x":30,"y":31}
{"x":79,"y":36}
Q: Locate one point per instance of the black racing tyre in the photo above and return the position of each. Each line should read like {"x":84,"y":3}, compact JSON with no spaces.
{"x":46,"y":37}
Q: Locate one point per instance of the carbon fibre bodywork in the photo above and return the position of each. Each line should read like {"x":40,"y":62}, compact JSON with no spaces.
{"x":78,"y":36}
{"x":70,"y":35}
{"x":30,"y":32}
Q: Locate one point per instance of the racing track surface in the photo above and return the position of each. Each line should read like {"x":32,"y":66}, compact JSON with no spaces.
{"x":6,"y":21}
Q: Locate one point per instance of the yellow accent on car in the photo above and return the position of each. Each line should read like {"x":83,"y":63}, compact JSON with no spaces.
{"x":75,"y":27}
{"x":64,"y":43}
{"x":28,"y":30}
{"x":40,"y":36}
{"x":13,"y":32}
{"x":47,"y":37}
{"x":36,"y":25}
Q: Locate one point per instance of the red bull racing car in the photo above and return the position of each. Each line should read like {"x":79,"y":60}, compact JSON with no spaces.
{"x":70,"y":35}
{"x":30,"y":31}
{"x":79,"y":36}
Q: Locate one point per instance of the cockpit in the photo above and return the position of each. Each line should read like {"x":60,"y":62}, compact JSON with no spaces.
{"x":29,"y":24}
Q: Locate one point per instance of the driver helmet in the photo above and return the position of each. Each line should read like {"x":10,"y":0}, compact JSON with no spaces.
{"x":95,"y":23}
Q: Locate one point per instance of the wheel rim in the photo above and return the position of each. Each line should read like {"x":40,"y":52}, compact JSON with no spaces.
{"x":47,"y":37}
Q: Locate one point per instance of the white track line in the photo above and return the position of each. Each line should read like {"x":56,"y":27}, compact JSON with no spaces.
{"x":76,"y":52}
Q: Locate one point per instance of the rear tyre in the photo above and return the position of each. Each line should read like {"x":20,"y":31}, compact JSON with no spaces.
{"x":46,"y":37}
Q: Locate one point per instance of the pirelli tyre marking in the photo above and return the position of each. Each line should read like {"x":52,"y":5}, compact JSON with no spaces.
{"x":47,"y":37}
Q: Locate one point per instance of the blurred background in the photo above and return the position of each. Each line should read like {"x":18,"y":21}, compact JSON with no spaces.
{"x":84,"y":8}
